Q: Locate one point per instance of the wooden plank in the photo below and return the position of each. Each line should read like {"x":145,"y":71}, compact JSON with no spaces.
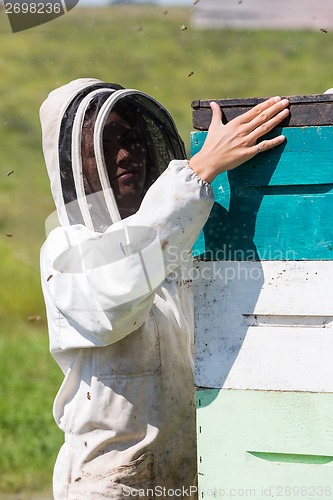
{"x":261,"y":444}
{"x":264,"y":325}
{"x":270,"y":206}
{"x":307,"y":110}
{"x":305,"y":158}
{"x":269,"y":228}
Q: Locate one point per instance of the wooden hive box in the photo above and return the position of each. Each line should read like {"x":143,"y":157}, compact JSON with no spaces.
{"x":264,"y":313}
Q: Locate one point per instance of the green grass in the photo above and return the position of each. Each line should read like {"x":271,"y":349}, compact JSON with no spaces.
{"x":140,"y":47}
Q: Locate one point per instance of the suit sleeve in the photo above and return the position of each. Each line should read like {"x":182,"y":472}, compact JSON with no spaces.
{"x":104,"y":284}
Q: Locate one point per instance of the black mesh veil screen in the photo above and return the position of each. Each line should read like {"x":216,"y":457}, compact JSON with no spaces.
{"x":161,"y":138}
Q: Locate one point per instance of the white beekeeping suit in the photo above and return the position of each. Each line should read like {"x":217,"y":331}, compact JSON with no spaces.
{"x":120,"y":325}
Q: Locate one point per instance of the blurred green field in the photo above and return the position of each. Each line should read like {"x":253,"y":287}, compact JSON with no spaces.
{"x":139,"y":47}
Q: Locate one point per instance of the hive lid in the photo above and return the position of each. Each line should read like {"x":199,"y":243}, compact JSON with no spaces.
{"x":305,"y":110}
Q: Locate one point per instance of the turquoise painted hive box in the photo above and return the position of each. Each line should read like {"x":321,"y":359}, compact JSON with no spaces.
{"x":263,"y":281}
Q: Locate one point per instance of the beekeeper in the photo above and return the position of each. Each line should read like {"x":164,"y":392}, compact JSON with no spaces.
{"x":120,"y":315}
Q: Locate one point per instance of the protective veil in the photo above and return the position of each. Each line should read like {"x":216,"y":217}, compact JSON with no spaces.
{"x":120,"y":318}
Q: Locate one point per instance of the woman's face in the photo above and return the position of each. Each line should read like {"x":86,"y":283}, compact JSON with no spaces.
{"x":125,"y":159}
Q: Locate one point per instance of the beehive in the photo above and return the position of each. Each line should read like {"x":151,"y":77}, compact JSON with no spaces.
{"x":264,"y":314}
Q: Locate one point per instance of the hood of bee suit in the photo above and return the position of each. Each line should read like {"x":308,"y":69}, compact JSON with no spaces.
{"x":62,"y":117}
